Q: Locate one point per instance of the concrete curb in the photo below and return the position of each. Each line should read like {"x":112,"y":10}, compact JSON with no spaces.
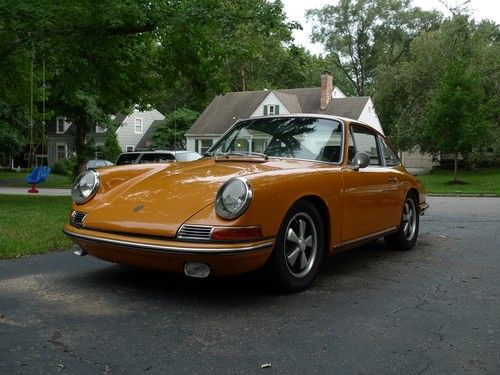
{"x":463,"y":195}
{"x":42,"y":191}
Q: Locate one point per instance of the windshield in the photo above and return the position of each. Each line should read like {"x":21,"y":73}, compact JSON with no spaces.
{"x":299,"y":138}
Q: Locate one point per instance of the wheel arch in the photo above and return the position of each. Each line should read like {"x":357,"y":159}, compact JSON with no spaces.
{"x":322,"y":207}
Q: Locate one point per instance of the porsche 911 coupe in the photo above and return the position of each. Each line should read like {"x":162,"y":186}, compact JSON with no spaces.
{"x":274,"y":193}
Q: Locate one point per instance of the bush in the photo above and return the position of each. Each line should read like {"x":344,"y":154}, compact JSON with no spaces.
{"x":66,"y":167}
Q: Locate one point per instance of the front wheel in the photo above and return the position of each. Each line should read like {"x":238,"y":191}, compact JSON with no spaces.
{"x":406,"y":236}
{"x":298,"y":250}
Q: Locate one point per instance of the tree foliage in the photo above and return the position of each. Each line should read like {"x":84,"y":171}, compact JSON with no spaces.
{"x":111,"y":149}
{"x":409,"y":94}
{"x":360,"y":35}
{"x":170,"y":134}
{"x":103,"y":57}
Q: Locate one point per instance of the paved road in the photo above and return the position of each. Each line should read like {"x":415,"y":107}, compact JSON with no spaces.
{"x":433,"y":310}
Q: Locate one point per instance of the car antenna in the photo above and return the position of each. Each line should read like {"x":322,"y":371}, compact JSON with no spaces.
{"x":175,"y":132}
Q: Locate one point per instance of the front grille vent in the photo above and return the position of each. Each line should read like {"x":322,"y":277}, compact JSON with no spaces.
{"x":194,"y":232}
{"x":77,"y":218}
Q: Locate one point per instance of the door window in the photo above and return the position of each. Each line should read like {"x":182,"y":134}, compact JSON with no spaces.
{"x":363,"y":140}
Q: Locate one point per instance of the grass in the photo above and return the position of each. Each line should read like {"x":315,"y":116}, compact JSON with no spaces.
{"x":482,"y":181}
{"x":17,"y":179}
{"x":32,"y":224}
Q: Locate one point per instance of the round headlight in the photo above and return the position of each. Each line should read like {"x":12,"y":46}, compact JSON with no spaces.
{"x":233,"y":198}
{"x":85,"y":187}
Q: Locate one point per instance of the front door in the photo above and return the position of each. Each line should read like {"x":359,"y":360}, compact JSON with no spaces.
{"x":370,"y":193}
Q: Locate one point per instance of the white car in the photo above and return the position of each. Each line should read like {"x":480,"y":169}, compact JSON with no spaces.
{"x":158,"y":156}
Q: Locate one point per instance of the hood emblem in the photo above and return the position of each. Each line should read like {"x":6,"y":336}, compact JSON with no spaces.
{"x":138,"y":208}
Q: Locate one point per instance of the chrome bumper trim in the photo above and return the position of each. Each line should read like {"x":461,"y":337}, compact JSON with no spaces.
{"x":169,"y":249}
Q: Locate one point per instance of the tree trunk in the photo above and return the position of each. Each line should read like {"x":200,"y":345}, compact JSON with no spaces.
{"x":80,"y":146}
{"x":456,"y":168}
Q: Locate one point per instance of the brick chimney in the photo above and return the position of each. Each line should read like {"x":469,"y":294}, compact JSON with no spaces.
{"x":326,"y":89}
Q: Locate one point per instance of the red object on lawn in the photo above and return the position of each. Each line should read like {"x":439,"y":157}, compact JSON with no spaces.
{"x":33,"y":189}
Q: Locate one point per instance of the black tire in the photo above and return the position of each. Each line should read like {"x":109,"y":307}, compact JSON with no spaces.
{"x":406,"y":236}
{"x":298,"y":250}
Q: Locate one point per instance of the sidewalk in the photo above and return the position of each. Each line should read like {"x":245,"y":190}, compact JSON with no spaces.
{"x":42,"y":191}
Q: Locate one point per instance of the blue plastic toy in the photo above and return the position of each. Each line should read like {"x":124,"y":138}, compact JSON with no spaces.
{"x":37,"y":176}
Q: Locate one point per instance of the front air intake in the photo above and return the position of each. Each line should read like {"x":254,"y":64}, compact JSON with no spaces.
{"x":77,"y":219}
{"x":195,"y":232}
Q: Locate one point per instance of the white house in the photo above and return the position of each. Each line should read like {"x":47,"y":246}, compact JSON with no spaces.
{"x":131,"y":129}
{"x":134,"y":126}
{"x":225,"y":110}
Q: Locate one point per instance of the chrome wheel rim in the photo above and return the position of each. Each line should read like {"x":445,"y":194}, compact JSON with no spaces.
{"x":409,"y":220}
{"x":301,"y":242}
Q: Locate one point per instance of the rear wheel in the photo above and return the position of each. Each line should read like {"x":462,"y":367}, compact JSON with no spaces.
{"x":406,"y":236}
{"x":299,"y":248}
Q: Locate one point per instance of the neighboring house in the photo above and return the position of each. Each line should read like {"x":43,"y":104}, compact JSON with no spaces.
{"x":61,"y":139}
{"x":146,"y":142}
{"x":131,"y":129}
{"x":134,"y":126}
{"x":226,"y":109}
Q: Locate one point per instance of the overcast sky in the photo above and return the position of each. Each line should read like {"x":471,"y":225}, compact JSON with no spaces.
{"x":295,"y":10}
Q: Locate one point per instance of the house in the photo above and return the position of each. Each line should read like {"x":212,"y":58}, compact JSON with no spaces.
{"x":225,"y":110}
{"x":134,"y":126}
{"x":131,"y":129}
{"x":61,"y":139}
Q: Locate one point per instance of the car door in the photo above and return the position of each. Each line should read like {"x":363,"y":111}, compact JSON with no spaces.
{"x":370,"y":194}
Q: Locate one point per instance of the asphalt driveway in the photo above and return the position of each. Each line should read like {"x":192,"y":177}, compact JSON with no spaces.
{"x":435,"y":309}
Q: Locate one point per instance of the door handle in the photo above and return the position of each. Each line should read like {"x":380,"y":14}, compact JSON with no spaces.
{"x":392,"y":180}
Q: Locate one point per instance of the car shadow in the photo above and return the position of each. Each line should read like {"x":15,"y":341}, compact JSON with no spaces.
{"x":152,"y":283}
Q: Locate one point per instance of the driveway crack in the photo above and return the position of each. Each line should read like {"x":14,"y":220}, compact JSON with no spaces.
{"x":56,"y":340}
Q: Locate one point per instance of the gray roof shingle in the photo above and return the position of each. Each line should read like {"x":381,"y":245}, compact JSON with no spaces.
{"x":226,"y":109}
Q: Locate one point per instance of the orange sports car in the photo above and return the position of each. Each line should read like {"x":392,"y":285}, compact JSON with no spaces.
{"x":276,"y":193}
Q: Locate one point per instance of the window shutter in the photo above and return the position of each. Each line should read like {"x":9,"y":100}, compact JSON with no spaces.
{"x":276,"y":109}
{"x":265,"y":110}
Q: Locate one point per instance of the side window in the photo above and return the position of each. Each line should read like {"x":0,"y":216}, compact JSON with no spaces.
{"x":390,"y":157}
{"x":363,"y":140}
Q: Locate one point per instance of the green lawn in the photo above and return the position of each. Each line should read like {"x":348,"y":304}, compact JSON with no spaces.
{"x":482,"y":181}
{"x":32,"y":224}
{"x":17,"y":179}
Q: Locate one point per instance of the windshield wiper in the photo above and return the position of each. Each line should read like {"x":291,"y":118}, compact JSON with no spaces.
{"x":244,"y":154}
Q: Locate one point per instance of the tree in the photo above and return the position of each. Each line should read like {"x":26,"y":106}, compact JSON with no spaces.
{"x":404,"y":92}
{"x":456,"y":121}
{"x":103,"y":57}
{"x":360,"y":35}
{"x":170,"y":134}
{"x":111,"y":149}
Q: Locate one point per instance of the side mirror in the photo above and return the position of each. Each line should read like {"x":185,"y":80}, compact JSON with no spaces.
{"x":360,"y":160}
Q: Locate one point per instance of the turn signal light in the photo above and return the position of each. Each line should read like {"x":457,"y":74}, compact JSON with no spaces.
{"x":236,"y":233}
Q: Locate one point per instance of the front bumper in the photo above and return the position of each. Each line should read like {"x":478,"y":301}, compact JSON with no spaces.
{"x":171,"y":255}
{"x":422,"y":207}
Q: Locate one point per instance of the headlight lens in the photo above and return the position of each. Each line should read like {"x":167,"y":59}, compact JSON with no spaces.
{"x":85,"y":187}
{"x":233,"y":198}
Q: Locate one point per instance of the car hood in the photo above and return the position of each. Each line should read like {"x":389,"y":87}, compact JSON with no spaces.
{"x":160,"y":202}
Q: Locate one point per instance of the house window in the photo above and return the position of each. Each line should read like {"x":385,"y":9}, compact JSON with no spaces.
{"x":129,"y":148}
{"x":62,"y":151}
{"x":138,"y":126}
{"x":60,"y":125}
{"x":270,"y":110}
{"x":202,"y":145}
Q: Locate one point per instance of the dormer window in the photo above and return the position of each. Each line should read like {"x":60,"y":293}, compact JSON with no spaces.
{"x":60,"y":125}
{"x":271,"y":109}
{"x":138,"y":126}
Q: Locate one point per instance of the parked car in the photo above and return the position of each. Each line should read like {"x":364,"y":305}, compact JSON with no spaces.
{"x":97,"y":163}
{"x":276,"y":192}
{"x":159,"y":156}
